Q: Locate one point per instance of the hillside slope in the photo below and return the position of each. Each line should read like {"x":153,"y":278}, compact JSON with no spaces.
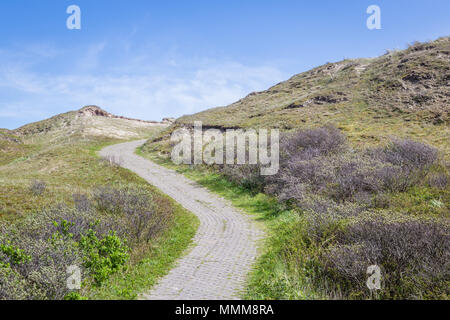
{"x":60,"y":152}
{"x":10,"y":146}
{"x":88,"y":121}
{"x":406,"y":93}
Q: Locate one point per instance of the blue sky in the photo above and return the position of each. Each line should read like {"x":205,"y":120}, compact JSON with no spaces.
{"x":153,"y":59}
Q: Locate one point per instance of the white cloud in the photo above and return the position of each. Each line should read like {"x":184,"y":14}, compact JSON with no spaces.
{"x":91,"y":58}
{"x":179,"y":88}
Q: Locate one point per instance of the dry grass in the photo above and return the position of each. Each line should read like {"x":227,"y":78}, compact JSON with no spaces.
{"x":405,"y":93}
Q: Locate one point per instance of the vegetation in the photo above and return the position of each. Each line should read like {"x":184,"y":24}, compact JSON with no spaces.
{"x":340,"y":210}
{"x":153,"y":263}
{"x":345,"y":198}
{"x":348,"y":194}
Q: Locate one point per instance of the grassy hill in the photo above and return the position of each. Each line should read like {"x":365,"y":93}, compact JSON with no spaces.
{"x":406,"y":93}
{"x":88,"y":121}
{"x":62,"y":152}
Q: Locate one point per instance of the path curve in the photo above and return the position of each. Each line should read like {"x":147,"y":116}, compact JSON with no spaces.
{"x":225,"y":243}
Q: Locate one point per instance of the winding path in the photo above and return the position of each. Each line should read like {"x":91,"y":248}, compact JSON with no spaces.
{"x":225,"y":243}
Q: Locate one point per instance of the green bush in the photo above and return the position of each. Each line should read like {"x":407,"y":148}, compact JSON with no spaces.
{"x":12,"y":285}
{"x":74,"y":296}
{"x":13,"y":255}
{"x":103,"y":257}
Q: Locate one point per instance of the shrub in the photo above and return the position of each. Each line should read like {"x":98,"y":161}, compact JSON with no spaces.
{"x":13,"y":255}
{"x":319,"y":161}
{"x":340,"y":177}
{"x":409,"y":153}
{"x":62,"y":221}
{"x":248,"y":176}
{"x":40,"y":249}
{"x":47,"y":269}
{"x":82,"y":202}
{"x":381,"y":200}
{"x":395,"y":178}
{"x":74,"y":296}
{"x":333,"y":185}
{"x":354,"y":175}
{"x":307,"y":144}
{"x":438,"y":180}
{"x":108,"y":200}
{"x":41,"y":272}
{"x":117,"y":200}
{"x":345,"y":175}
{"x":321,"y":227}
{"x":321,"y":205}
{"x":103,"y":257}
{"x":413,"y":255}
{"x":139,"y":220}
{"x":12,"y":286}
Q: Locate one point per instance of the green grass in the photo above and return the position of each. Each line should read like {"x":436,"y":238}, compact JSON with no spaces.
{"x":67,"y":164}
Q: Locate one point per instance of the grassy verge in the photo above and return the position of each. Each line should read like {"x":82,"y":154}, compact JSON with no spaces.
{"x":273,"y":277}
